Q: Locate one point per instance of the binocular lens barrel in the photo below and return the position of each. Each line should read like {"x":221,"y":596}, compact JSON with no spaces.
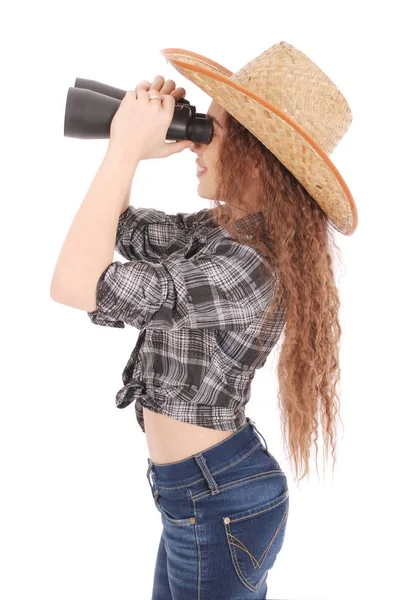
{"x":91,"y":106}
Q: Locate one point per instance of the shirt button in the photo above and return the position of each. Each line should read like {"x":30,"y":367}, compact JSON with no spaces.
{"x":227,"y":520}
{"x":192,"y":520}
{"x":189,"y":298}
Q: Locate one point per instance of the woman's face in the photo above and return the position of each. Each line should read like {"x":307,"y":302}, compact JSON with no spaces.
{"x":206,"y":154}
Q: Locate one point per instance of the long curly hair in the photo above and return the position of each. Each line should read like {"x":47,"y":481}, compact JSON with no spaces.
{"x":297,"y":239}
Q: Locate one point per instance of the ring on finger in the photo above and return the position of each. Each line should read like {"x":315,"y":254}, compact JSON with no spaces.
{"x":154,"y":96}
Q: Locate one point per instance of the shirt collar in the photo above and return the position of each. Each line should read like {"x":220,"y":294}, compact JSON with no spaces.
{"x":250,"y":222}
{"x":245,"y":225}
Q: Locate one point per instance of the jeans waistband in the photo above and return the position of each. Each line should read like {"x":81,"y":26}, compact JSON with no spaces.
{"x":208,"y":461}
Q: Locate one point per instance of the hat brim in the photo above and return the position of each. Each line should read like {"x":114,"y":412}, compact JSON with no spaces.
{"x":290,"y":143}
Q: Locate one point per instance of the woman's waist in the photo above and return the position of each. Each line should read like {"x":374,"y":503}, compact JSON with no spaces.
{"x":171,"y":440}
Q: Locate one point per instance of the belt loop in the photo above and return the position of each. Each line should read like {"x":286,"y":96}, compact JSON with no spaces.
{"x":254,"y":426}
{"x":148,"y":472}
{"x":202,"y":464}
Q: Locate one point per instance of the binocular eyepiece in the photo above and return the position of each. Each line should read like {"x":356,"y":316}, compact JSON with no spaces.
{"x":91,"y":106}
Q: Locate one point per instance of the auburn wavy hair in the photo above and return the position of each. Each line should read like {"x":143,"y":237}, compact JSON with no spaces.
{"x":297,"y":239}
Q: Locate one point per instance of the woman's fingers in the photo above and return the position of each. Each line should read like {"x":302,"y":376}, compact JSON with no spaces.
{"x":164,"y":87}
{"x":143,"y":85}
{"x":179,"y":92}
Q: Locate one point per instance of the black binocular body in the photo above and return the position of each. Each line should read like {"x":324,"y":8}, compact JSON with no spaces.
{"x":91,"y":106}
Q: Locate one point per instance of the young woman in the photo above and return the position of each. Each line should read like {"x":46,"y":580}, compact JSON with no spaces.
{"x":211,"y":292}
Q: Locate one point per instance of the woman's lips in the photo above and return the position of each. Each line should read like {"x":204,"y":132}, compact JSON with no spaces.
{"x":200,"y":172}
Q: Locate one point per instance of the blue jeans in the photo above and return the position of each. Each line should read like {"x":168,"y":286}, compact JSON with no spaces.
{"x":224,"y":513}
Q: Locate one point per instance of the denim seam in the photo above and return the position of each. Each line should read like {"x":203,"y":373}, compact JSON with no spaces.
{"x":257,"y":445}
{"x":234,"y":520}
{"x":198,"y":545}
{"x":202,"y":464}
{"x":177,"y":522}
{"x":240,"y":574}
{"x":188,"y":484}
{"x":238,"y":482}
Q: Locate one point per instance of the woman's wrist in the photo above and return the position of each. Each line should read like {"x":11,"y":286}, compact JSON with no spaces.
{"x":115,"y":155}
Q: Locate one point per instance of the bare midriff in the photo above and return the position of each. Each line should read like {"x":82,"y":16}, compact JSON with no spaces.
{"x":170,"y":440}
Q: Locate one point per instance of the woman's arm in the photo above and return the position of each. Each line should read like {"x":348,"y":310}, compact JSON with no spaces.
{"x":90,"y":243}
{"x":127,"y":200}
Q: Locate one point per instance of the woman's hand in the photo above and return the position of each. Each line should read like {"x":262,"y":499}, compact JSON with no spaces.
{"x":139,"y":127}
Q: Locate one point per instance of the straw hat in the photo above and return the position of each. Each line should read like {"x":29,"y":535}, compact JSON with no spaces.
{"x":288,"y":103}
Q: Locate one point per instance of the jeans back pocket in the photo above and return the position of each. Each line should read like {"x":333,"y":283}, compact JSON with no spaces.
{"x":255,"y":537}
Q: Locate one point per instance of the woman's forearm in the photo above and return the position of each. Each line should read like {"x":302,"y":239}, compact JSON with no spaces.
{"x":126,"y":200}
{"x":90,"y":243}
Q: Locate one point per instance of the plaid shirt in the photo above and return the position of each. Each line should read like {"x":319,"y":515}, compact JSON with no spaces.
{"x":196,"y":295}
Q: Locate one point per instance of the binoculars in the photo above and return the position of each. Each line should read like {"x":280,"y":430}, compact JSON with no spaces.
{"x":91,"y":106}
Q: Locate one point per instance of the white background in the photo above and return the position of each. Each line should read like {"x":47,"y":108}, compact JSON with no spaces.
{"x":77,"y":518}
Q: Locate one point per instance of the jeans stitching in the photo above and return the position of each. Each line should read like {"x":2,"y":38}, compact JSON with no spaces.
{"x":192,"y":483}
{"x":177,"y":522}
{"x":238,"y":482}
{"x":234,"y":520}
{"x":257,"y":445}
{"x":198,"y":546}
{"x":241,"y":575}
{"x":201,"y":461}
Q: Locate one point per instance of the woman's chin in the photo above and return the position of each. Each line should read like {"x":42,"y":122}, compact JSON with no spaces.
{"x":205,"y":195}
